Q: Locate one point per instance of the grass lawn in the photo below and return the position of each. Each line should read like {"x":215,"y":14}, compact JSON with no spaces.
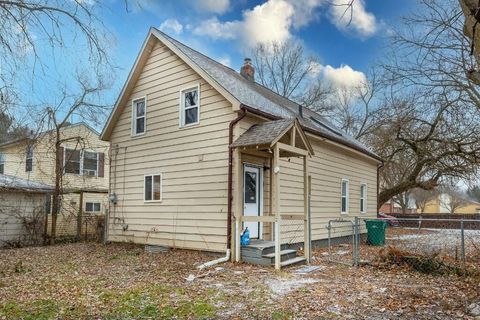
{"x":121,"y":281}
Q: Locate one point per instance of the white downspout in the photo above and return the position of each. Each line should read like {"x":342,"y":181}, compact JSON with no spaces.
{"x":217,"y":261}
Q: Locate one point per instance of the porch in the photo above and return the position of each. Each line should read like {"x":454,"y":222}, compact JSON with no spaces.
{"x":275,"y":234}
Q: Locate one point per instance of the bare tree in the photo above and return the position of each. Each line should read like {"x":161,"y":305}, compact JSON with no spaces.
{"x":451,"y":198}
{"x":424,"y":139}
{"x":55,"y":118}
{"x":431,"y":51}
{"x":422,"y":198}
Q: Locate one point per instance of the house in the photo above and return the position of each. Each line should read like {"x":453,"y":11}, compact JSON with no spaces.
{"x":22,"y":210}
{"x":200,"y":151}
{"x":443,"y":202}
{"x":84,"y":162}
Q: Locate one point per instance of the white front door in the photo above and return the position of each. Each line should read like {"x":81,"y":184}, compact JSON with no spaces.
{"x":252,"y":198}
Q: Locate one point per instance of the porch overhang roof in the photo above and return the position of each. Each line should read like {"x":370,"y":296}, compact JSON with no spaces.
{"x":267,"y":134}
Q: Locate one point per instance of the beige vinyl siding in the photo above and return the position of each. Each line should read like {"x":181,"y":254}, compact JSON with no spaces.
{"x":14,"y":207}
{"x":44,"y":167}
{"x":328,"y":166}
{"x":193,"y":162}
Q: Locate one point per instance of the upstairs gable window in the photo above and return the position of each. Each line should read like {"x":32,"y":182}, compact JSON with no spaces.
{"x":139,"y":116}
{"x":90,"y":163}
{"x":189,"y":106}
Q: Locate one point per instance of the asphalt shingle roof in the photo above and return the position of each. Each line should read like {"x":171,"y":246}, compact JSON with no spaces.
{"x":258,"y":97}
{"x":262,"y":133}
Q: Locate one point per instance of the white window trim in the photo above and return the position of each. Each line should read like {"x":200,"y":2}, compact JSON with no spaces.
{"x":81,"y":161}
{"x":161,"y":187}
{"x":93,"y":202}
{"x":347,"y":196}
{"x":364,"y":198}
{"x":134,"y":117}
{"x":182,"y":107}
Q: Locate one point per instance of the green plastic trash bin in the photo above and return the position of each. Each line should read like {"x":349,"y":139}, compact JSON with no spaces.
{"x":376,"y":232}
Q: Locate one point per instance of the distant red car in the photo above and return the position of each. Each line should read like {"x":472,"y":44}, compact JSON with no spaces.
{"x":391,"y":220}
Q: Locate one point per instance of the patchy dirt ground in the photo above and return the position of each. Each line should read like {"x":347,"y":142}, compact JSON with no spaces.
{"x":93,"y":281}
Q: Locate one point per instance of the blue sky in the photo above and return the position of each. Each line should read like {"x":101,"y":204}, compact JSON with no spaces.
{"x":226,"y":30}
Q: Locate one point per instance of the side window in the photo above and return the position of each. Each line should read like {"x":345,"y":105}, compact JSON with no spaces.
{"x":153,"y":188}
{"x":344,"y":196}
{"x":29,"y":159}
{"x":90,"y":163}
{"x":189,"y":107}
{"x":139,"y":117}
{"x":72,"y":161}
{"x":2,"y":163}
{"x":363,"y":198}
{"x":93,"y":207}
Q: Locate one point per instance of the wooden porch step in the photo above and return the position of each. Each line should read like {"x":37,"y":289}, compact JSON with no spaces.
{"x":296,"y":260}
{"x":283,"y":252}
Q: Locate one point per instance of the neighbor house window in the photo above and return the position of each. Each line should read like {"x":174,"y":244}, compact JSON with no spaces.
{"x":344,"y":204}
{"x":29,"y":159}
{"x":2,"y":163}
{"x":363,"y":198}
{"x":93,"y":207}
{"x":189,"y":106}
{"x":81,"y":162}
{"x":72,"y":161}
{"x":139,"y":116}
{"x":90,"y":163}
{"x":153,"y":187}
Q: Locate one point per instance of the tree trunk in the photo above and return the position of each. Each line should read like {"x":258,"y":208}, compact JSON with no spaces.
{"x":57,"y":191}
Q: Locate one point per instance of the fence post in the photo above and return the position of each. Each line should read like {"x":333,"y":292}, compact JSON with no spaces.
{"x":462,"y":235}
{"x":356,"y":242}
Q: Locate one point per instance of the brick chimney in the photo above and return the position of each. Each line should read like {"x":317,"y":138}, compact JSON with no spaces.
{"x":247,"y":71}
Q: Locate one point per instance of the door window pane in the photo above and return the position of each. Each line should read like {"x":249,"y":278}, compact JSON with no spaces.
{"x":72,"y":161}
{"x":250,"y":187}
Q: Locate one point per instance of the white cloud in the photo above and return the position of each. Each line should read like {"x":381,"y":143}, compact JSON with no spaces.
{"x":216,"y":29}
{"x":267,"y":22}
{"x":355,"y":19}
{"x":225,"y":60}
{"x":212,"y":6}
{"x":171,"y":25}
{"x":343,"y":76}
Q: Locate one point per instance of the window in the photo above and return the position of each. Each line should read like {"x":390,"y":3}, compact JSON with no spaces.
{"x":90,"y":163}
{"x":363,"y":198}
{"x":29,"y":159}
{"x":189,"y":107}
{"x":92,"y":207}
{"x":2,"y":163}
{"x":81,"y":162}
{"x":139,"y":116}
{"x":153,"y":187}
{"x":72,"y":161}
{"x":344,"y":204}
{"x":250,"y":187}
{"x":48,"y":204}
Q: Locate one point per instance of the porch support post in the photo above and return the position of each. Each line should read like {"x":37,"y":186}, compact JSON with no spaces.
{"x":270,"y":199}
{"x":306,"y":227}
{"x":238,"y":199}
{"x":276,"y":191}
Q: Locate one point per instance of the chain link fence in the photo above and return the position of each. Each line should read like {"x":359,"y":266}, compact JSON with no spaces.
{"x":428,"y":245}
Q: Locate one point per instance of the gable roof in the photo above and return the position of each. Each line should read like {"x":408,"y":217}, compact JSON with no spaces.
{"x":12,"y":183}
{"x":78,"y":124}
{"x":239,"y":91}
